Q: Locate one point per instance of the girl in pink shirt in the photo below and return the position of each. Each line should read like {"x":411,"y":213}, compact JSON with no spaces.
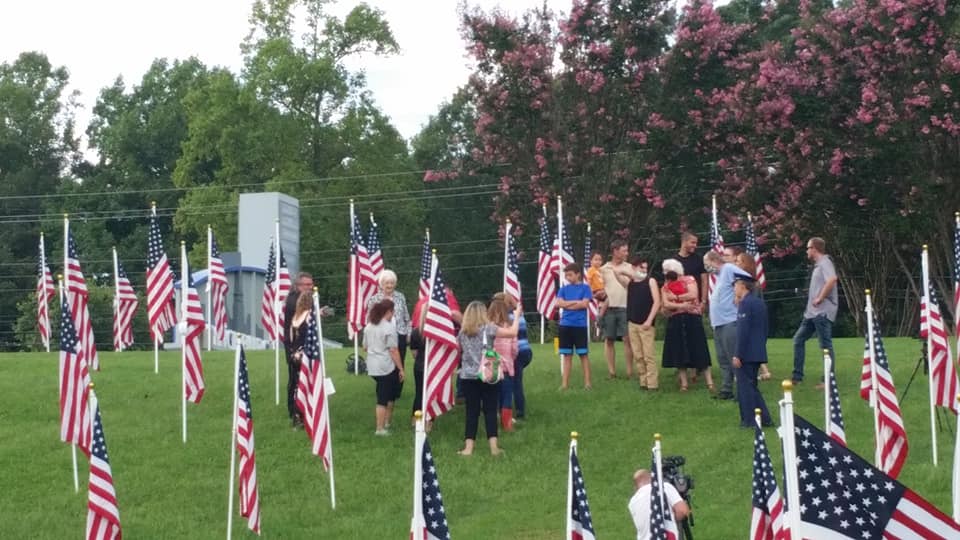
{"x":499,"y":314}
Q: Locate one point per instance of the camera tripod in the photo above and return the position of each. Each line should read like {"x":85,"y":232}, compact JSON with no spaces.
{"x":925,"y":363}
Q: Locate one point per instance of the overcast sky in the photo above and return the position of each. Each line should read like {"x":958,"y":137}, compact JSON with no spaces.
{"x":97,"y":40}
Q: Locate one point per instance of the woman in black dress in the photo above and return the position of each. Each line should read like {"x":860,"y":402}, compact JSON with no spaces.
{"x":685,"y":343}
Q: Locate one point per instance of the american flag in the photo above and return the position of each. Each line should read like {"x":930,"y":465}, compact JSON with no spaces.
{"x":432,"y":524}
{"x":562,"y":256}
{"x":45,"y":291}
{"x":74,"y":385}
{"x":835,"y":425}
{"x":843,"y":496}
{"x":360,"y":284}
{"x":440,"y":359}
{"x":311,"y":397}
{"x":76,"y":292}
{"x":594,"y":307}
{"x":579,"y":519}
{"x":546,"y":278}
{"x":956,"y":280}
{"x":276,"y":286}
{"x":311,"y":351}
{"x":192,"y":321}
{"x":425,"y":259}
{"x":219,"y":286}
{"x":249,"y":492}
{"x":124,"y":306}
{"x":159,"y":284}
{"x":716,"y":242}
{"x":511,"y":266}
{"x":767,"y":522}
{"x":374,"y":249}
{"x":942,"y":369}
{"x":103,"y":515}
{"x":892,"y":437}
{"x":662,"y":524}
{"x":754,"y":251}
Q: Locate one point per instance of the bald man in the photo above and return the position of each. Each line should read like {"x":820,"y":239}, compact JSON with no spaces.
{"x":639,"y":504}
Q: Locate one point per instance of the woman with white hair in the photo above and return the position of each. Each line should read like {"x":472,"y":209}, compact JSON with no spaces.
{"x":685,"y":343}
{"x":401,"y":316}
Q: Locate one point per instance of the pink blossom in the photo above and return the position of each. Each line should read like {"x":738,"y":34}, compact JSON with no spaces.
{"x":836,"y":162}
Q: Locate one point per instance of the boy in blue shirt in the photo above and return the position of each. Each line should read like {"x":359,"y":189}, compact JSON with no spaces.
{"x":573,"y":299}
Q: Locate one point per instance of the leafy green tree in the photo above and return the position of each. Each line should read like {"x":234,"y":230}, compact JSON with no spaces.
{"x":37,"y":143}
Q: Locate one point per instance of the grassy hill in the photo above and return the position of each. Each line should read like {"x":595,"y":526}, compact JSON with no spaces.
{"x":170,"y":490}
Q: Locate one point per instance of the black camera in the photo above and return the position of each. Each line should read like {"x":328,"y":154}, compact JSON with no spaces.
{"x":672,"y":467}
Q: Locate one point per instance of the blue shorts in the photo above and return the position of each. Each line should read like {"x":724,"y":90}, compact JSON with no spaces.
{"x":573,"y":339}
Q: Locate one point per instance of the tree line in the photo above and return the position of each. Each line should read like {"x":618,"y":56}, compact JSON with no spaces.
{"x":819,"y":120}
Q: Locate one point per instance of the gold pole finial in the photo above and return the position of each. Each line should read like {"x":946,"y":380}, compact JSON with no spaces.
{"x":418,"y":415}
{"x":574,"y":435}
{"x":656,"y":437}
{"x":866,"y":292}
{"x":787,"y":385}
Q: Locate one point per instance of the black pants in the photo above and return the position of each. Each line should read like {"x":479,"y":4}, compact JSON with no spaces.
{"x":402,"y":348}
{"x":480,"y":396}
{"x":418,"y":395}
{"x":293,"y":377}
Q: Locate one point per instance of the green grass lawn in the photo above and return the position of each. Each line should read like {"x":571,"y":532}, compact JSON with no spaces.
{"x":170,"y":490}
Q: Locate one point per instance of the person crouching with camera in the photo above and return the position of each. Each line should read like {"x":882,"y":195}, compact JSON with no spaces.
{"x":639,"y":504}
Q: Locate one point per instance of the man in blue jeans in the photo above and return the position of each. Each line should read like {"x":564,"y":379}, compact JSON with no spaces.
{"x":821,"y":309}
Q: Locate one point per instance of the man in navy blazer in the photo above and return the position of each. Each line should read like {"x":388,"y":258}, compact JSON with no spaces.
{"x":751,"y":350}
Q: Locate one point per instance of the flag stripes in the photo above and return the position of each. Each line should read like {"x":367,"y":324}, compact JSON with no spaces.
{"x":219,"y":287}
{"x":192,"y":326}
{"x":75,"y":290}
{"x":892,"y":437}
{"x":103,"y":515}
{"x":248,"y":490}
{"x":943,"y":370}
{"x":124,"y":307}
{"x":45,"y":291}
{"x":159,"y":283}
{"x":754,"y":251}
{"x":546,"y":277}
{"x":74,"y":385}
{"x":441,"y":349}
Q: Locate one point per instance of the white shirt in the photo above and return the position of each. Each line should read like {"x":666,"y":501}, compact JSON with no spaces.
{"x":639,"y":507}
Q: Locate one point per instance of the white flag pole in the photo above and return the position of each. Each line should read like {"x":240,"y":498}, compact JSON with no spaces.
{"x":658,"y":463}
{"x":233,"y":441}
{"x":353,"y":263}
{"x":276,"y":312}
{"x":43,"y":277}
{"x":322,"y":379}
{"x":506,"y":252}
{"x":182,"y":330}
{"x":827,"y":376}
{"x":956,"y":472}
{"x":417,"y":522}
{"x":586,"y":264}
{"x":156,"y":336}
{"x":116,"y":295}
{"x":566,"y":514}
{"x":925,"y":271}
{"x":73,"y":446}
{"x":874,"y":398}
{"x":209,"y":295}
{"x":560,"y":266}
{"x":791,"y":478}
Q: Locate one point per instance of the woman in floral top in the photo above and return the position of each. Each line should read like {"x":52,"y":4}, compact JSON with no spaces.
{"x":401,"y":316}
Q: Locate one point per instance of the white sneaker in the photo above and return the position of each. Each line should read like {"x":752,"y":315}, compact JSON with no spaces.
{"x":381,"y":432}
